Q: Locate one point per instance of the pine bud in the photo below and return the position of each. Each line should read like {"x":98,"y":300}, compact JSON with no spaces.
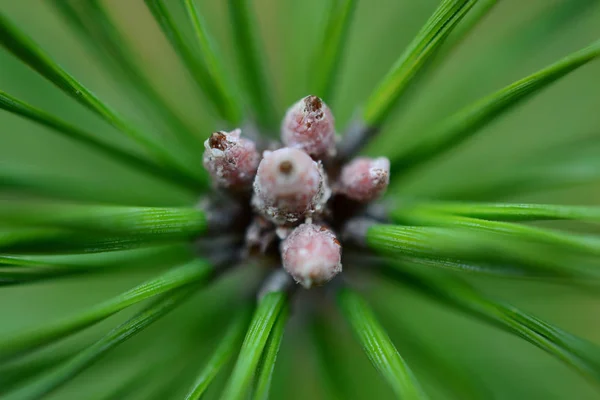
{"x":364,"y":179}
{"x":289,"y":185}
{"x":312,"y":255}
{"x":309,"y":125}
{"x":231,"y":160}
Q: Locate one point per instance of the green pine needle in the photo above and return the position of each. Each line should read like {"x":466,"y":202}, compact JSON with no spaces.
{"x":95,"y":25}
{"x":131,"y":386}
{"x":67,"y":241}
{"x":378,"y":346}
{"x":18,"y":107}
{"x":67,"y":371}
{"x":12,"y":276}
{"x":27,"y":51}
{"x":328,"y":56}
{"x":14,"y":373}
{"x":473,"y":18}
{"x":587,"y":244}
{"x":28,"y":181}
{"x":434,"y":237}
{"x":530,"y":37}
{"x":557,"y":167}
{"x":251,"y":64}
{"x":270,"y":308}
{"x":135,"y":222}
{"x":458,"y":377}
{"x":462,"y":125}
{"x":196,"y":271}
{"x":266,"y":366}
{"x":470,"y":21}
{"x":328,"y":361}
{"x":381,"y":103}
{"x":573,"y":351}
{"x":226,"y":349}
{"x":159,"y":255}
{"x":212,"y":60}
{"x":509,"y":211}
{"x":201,"y":65}
{"x":56,"y":228}
{"x":20,"y":269}
{"x":485,"y":252}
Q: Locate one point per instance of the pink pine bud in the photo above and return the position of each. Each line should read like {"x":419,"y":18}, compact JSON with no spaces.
{"x":312,"y":255}
{"x":289,"y":185}
{"x":309,"y":125}
{"x":231,"y":160}
{"x":364,"y":179}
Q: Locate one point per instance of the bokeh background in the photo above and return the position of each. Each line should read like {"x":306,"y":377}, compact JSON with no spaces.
{"x":516,"y":39}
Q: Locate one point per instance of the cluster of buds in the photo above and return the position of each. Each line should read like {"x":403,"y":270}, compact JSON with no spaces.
{"x":290,"y":188}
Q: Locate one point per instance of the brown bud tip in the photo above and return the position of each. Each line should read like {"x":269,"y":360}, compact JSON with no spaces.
{"x":309,"y":125}
{"x":364,"y":179}
{"x":313,"y":104}
{"x":231,"y":160}
{"x":218,"y":140}
{"x":286,"y":167}
{"x":312,"y":255}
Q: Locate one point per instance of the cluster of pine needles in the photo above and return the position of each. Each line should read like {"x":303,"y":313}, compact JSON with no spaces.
{"x":222,"y":339}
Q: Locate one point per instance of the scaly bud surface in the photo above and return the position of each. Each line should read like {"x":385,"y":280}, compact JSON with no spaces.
{"x":312,"y":255}
{"x":309,"y":125}
{"x":231,"y":160}
{"x":292,"y":214}
{"x":289,"y":186}
{"x":364,"y":179}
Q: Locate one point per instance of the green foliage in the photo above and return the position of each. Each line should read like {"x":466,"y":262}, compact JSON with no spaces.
{"x":441,"y":245}
{"x":25,"y":49}
{"x":251,"y":64}
{"x":458,"y":378}
{"x":490,"y":251}
{"x":577,"y":353}
{"x":264,"y":373}
{"x":427,"y":41}
{"x":460,"y":126}
{"x":270,"y":309}
{"x":135,"y":222}
{"x":15,"y":373}
{"x":57,"y":228}
{"x":20,"y":269}
{"x":328,"y":56}
{"x":586,"y":244}
{"x":96,"y":27}
{"x":74,"y":366}
{"x":202,"y":65}
{"x":508,"y":211}
{"x":13,"y":105}
{"x":196,"y":271}
{"x":327,"y":357}
{"x":378,"y":346}
{"x":558,"y":167}
{"x":226,"y":349}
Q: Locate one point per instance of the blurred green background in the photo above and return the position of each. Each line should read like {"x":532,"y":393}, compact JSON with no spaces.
{"x":516,"y":39}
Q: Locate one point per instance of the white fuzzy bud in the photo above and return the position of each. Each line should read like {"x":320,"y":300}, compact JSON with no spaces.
{"x":364,"y":179}
{"x":289,"y":186}
{"x":309,"y":125}
{"x":312,"y":255}
{"x":231,"y":160}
